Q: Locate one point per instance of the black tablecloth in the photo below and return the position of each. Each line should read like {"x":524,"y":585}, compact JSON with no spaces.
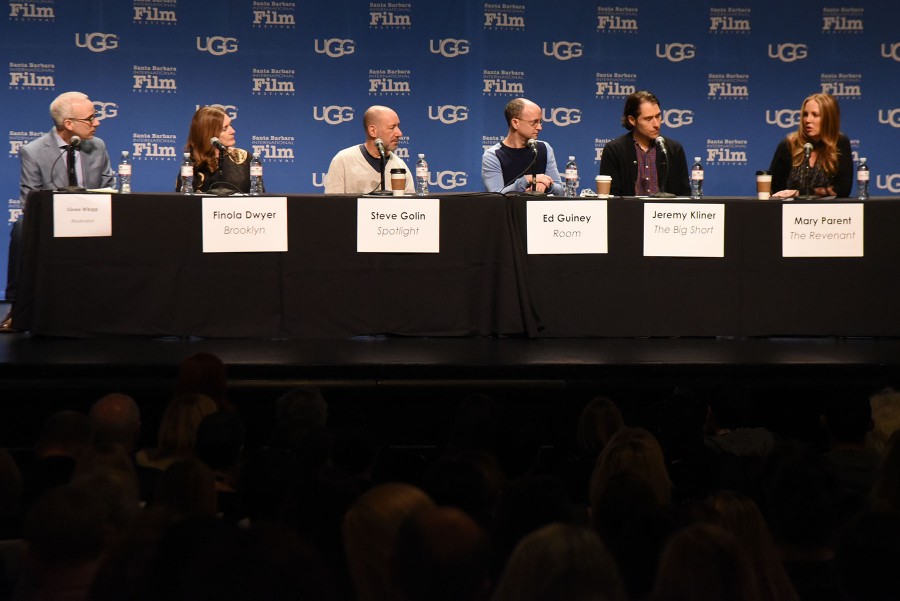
{"x":151,"y":278}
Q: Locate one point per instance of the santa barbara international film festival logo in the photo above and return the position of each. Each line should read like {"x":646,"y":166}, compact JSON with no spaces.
{"x":32,"y":11}
{"x":389,"y":82}
{"x":615,"y":86}
{"x":783,"y":118}
{"x":32,"y":76}
{"x":333,"y":114}
{"x":18,"y":139}
{"x":274,"y":149}
{"x":449,"y":47}
{"x":726,"y":152}
{"x":842,"y":85}
{"x":617,"y":19}
{"x":448,"y":114}
{"x":563,"y":50}
{"x":154,"y":79}
{"x":503,"y":82}
{"x":334,"y":47}
{"x":599,"y":145}
{"x":274,"y":14}
{"x":729,"y":20}
{"x":842,"y":19}
{"x":154,"y":147}
{"x":154,"y":12}
{"x":273,"y":82}
{"x":504,"y":17}
{"x":97,"y":41}
{"x":217,"y":45}
{"x":728,"y":86}
{"x":390,"y":15}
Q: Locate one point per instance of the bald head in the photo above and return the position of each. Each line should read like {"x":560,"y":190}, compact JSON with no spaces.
{"x":384,"y":123}
{"x":116,"y":418}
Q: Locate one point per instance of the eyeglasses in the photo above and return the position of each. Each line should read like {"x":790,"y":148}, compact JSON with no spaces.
{"x":89,"y":120}
{"x":533,"y":123}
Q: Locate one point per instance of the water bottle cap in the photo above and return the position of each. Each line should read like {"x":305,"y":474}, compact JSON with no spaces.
{"x":571,"y":157}
{"x":862,"y":159}
{"x":421,"y":155}
{"x":696,"y":159}
{"x":124,"y":153}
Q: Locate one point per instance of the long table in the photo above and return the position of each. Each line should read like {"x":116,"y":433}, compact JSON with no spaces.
{"x":151,"y":278}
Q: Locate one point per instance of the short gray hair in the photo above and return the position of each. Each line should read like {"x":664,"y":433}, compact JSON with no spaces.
{"x":61,"y":107}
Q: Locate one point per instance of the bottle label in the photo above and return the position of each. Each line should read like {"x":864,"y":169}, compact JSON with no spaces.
{"x":187,"y":171}
{"x":862,"y":176}
{"x":124,"y":169}
{"x":255,"y":170}
{"x":571,"y":173}
{"x":422,"y":172}
{"x":697,"y":174}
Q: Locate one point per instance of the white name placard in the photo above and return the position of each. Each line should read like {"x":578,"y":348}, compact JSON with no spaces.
{"x":684,"y":229}
{"x":398,"y":225}
{"x":566,"y":227}
{"x":245,"y":224}
{"x":82,"y":215}
{"x":822,"y":230}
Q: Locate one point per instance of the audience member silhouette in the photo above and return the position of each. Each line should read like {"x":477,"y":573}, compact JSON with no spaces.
{"x":177,"y":431}
{"x":560,"y":561}
{"x":370,"y":532}
{"x":441,"y":554}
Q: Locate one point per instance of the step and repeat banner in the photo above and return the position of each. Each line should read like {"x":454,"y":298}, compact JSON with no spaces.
{"x":297,"y":76}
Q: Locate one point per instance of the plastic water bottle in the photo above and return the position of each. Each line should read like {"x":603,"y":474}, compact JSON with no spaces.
{"x":571,"y":178}
{"x":862,"y":179}
{"x":422,"y":176}
{"x":187,"y":174}
{"x":125,"y":173}
{"x":256,"y":172}
{"x":697,"y":179}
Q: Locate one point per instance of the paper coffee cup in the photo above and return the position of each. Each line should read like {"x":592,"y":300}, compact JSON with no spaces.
{"x":398,"y":181}
{"x":763,"y":185}
{"x":603,"y":183}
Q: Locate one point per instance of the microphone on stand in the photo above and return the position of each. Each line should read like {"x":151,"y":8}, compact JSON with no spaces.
{"x":217,"y":144}
{"x":533,"y":145}
{"x":807,"y":151}
{"x":661,"y":193}
{"x":71,"y":173}
{"x":382,"y":153}
{"x":222,"y":150}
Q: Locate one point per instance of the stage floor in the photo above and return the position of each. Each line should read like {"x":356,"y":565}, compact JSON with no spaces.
{"x":426,"y":376}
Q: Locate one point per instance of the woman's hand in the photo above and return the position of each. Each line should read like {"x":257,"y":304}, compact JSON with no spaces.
{"x":785,"y":194}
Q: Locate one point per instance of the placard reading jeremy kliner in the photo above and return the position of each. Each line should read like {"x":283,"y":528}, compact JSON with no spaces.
{"x":684,"y":229}
{"x":82,"y":215}
{"x":398,"y":225}
{"x":245,"y":224}
{"x":822,"y":230}
{"x":566,"y":227}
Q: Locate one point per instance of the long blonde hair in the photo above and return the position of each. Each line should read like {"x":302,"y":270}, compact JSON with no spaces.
{"x":829,"y":132}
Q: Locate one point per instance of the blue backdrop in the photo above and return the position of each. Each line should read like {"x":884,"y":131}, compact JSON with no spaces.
{"x":297,"y":76}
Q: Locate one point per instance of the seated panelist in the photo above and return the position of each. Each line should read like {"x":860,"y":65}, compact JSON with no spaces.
{"x":830,"y":157}
{"x":218,"y":164}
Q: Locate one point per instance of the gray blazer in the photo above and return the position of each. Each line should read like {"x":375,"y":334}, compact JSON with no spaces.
{"x":43,"y":169}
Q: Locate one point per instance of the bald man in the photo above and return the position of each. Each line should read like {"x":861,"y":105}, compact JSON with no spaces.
{"x":357,"y":170}
{"x":116,"y":418}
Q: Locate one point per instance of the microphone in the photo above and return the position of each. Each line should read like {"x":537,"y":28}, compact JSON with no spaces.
{"x":661,"y":142}
{"x":217,"y":144}
{"x":807,"y":150}
{"x":380,"y":146}
{"x":74,"y":142}
{"x":532,"y":144}
{"x":661,"y":193}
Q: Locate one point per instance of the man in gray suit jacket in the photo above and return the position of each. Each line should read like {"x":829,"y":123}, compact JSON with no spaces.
{"x":44,"y":167}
